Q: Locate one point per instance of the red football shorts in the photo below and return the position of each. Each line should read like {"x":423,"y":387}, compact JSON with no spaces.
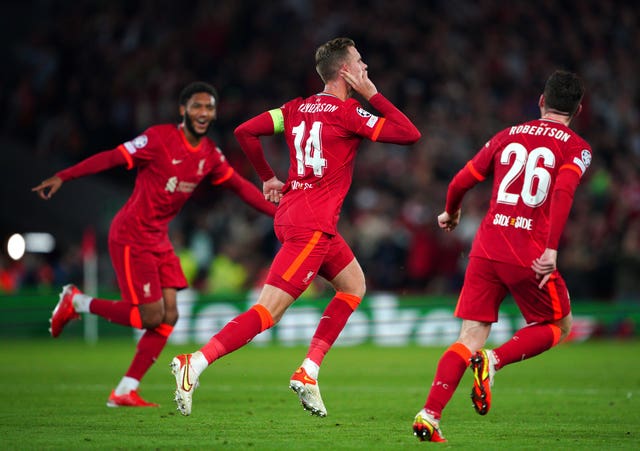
{"x":143,"y":274}
{"x":487,"y":283}
{"x":304,"y":255}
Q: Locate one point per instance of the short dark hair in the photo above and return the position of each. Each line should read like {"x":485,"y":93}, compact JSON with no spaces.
{"x":330,"y":56}
{"x":563,"y":92}
{"x":195,"y":88}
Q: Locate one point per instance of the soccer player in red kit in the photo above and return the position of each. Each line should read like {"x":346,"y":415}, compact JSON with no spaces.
{"x":171,"y":161}
{"x":536,"y":168}
{"x":323,"y":133}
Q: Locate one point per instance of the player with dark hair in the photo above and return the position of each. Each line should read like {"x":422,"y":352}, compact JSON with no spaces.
{"x":323,"y":133}
{"x":536,"y":168}
{"x":171,"y":161}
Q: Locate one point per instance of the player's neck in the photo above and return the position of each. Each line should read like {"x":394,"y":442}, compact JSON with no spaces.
{"x":556,"y":117}
{"x":190,"y":137}
{"x":337,"y":88}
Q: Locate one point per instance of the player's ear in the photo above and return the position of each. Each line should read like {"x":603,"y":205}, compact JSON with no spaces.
{"x":578,"y":110}
{"x":541,"y":101}
{"x":182,"y":110}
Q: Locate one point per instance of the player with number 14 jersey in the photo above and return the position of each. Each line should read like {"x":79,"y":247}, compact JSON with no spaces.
{"x":325,"y":133}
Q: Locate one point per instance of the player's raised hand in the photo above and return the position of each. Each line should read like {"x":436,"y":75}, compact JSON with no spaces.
{"x":545,"y":265}
{"x":448,"y":222}
{"x":360,"y":82}
{"x":272,"y":190}
{"x":48,"y":187}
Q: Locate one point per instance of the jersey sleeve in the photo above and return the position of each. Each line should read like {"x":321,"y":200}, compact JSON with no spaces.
{"x":569,"y":175}
{"x":475,"y":171}
{"x":130,"y":154}
{"x":250,"y":194}
{"x":94,"y":164}
{"x":221,"y":170}
{"x":248,"y":136}
{"x":482,"y":161}
{"x":578,"y":160}
{"x":462,"y":182}
{"x":141,"y":149}
{"x":392,"y":127}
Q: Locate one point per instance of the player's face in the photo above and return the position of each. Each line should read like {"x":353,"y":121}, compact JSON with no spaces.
{"x":198,"y":114}
{"x":354,"y":62}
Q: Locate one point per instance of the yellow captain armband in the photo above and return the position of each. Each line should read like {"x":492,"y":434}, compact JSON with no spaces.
{"x":278,"y":120}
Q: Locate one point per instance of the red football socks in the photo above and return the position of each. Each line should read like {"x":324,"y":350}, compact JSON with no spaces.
{"x":451,"y":368}
{"x":333,"y":320}
{"x":149,"y":348}
{"x":238,"y":332}
{"x":526,"y":343}
{"x":118,"y":312}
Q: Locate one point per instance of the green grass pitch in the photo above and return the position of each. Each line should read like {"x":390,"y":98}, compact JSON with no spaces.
{"x":576,"y":396}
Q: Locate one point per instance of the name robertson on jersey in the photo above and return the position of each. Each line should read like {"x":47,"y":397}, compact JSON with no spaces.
{"x":317,"y":108}
{"x":536,"y":130}
{"x":517,"y":223}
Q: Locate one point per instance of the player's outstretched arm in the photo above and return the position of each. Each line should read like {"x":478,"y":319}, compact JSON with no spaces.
{"x":92,"y":165}
{"x":249,"y":193}
{"x":47,"y":188}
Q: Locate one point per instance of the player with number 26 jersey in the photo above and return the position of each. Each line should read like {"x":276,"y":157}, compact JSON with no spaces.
{"x":528,"y":161}
{"x":536,"y":168}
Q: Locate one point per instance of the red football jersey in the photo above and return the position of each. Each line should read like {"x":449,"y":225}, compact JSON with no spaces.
{"x":525,"y":161}
{"x":323,"y":134}
{"x":169,"y":169}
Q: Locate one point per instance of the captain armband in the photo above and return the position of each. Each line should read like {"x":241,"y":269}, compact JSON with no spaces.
{"x":278,"y":120}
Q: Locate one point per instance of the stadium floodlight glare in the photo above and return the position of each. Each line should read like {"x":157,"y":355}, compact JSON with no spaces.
{"x":16,"y":246}
{"x":35,"y":242}
{"x":41,"y":242}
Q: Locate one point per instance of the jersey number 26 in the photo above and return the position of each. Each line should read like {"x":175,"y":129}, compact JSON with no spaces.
{"x":521,"y":161}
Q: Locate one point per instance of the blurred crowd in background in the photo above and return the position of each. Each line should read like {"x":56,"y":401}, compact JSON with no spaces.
{"x":84,"y":76}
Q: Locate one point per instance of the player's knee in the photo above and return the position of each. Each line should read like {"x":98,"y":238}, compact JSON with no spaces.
{"x":152,"y":318}
{"x":363,"y":289}
{"x":565,"y":326}
{"x":171,"y":317}
{"x":565,"y":331}
{"x":358,"y":289}
{"x":151,"y":322}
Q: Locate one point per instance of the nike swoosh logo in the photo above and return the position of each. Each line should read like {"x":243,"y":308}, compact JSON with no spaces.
{"x":305,"y":377}
{"x":174,"y":161}
{"x":186,"y":385}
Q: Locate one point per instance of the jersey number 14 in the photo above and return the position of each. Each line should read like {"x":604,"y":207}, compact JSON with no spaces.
{"x":309,"y":156}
